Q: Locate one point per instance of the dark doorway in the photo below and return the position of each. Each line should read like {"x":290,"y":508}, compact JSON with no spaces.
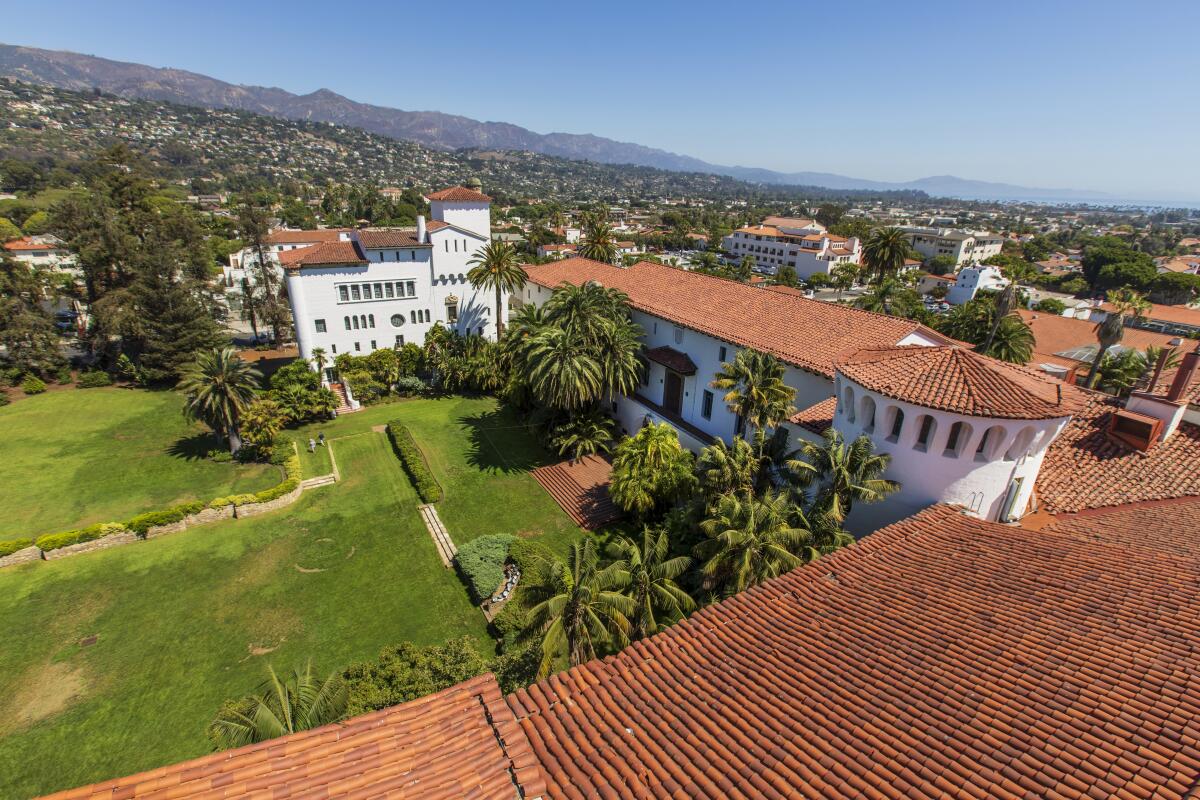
{"x":673,"y":393}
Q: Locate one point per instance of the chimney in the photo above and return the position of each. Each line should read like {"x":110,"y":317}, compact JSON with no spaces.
{"x":1162,"y":362}
{"x":1183,"y":377}
{"x":421,"y":228}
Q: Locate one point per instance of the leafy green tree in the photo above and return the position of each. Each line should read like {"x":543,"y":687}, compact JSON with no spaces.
{"x":26,"y":329}
{"x":975,"y":321}
{"x":786,"y":276}
{"x":37,"y":223}
{"x":406,"y":672}
{"x":301,"y":702}
{"x":578,"y":608}
{"x":1175,"y":288}
{"x":496,"y":267}
{"x":884,"y":251}
{"x":942,"y":265}
{"x":755,"y":389}
{"x":650,"y":582}
{"x":261,"y":422}
{"x":218,"y":387}
{"x":844,"y":473}
{"x":844,"y":275}
{"x":749,"y":540}
{"x":650,"y":470}
{"x":1050,"y":305}
{"x":830,"y":214}
{"x":8,"y":230}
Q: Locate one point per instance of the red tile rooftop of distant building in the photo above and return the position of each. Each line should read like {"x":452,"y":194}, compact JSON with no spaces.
{"x":459,"y":194}
{"x":324,"y":254}
{"x":316,"y":236}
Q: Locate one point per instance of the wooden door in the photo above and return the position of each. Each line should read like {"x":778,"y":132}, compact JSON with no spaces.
{"x":673,"y":392}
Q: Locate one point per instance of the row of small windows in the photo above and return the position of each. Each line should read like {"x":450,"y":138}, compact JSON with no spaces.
{"x":352,"y":292}
{"x":365,"y":321}
{"x":359,"y":321}
{"x":465,"y":246}
{"x":412,"y":255}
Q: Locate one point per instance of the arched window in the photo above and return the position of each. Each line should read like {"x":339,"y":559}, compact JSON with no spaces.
{"x":347,"y":321}
{"x":927,"y":428}
{"x":355,"y":320}
{"x":960,"y":434}
{"x":371,"y":318}
{"x":866,"y":413}
{"x":362,"y":319}
{"x":848,"y":404}
{"x":989,"y":443}
{"x":895,"y":423}
{"x":1021,"y":444}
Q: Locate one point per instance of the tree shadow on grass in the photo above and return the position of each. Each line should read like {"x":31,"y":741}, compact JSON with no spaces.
{"x":193,"y":448}
{"x":500,"y":444}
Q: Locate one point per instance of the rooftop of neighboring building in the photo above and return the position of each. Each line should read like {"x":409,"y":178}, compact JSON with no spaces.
{"x":458,"y":194}
{"x":818,"y":417}
{"x":1183,"y":315}
{"x":793,"y":222}
{"x":31,"y":244}
{"x":960,"y":381}
{"x":288,"y":236}
{"x":324,"y":254}
{"x":805,"y":333}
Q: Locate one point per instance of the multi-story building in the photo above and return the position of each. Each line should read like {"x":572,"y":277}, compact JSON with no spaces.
{"x":380,"y":288}
{"x":965,"y":247}
{"x":972,"y":280}
{"x":802,"y":244}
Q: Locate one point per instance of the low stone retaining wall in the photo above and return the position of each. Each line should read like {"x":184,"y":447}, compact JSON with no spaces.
{"x":254,"y":509}
{"x":87,"y":547}
{"x":30,"y":553}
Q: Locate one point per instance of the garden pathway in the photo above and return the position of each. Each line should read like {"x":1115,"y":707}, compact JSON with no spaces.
{"x":441,"y":537}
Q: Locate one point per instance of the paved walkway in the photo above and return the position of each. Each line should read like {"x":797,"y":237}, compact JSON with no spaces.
{"x":441,"y":537}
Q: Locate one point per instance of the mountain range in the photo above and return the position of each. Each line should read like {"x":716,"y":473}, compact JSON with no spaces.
{"x":80,"y":72}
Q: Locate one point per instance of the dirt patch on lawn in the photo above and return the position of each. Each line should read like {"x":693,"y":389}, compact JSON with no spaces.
{"x":46,"y":690}
{"x":529,"y":534}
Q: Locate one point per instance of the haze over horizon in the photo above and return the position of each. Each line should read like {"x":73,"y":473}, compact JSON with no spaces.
{"x":1086,"y":96}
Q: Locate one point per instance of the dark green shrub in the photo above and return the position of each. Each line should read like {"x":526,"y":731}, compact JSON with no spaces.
{"x":10,"y":546}
{"x":481,"y":563}
{"x":1050,"y":305}
{"x":152,"y":519}
{"x":512,"y":620}
{"x":33,"y":385}
{"x":62,"y":375}
{"x":410,"y":386}
{"x":53,"y":541}
{"x":4,"y":399}
{"x":517,"y":668}
{"x":405,"y":672}
{"x":413,"y":462}
{"x":528,"y":556}
{"x":93,"y":379}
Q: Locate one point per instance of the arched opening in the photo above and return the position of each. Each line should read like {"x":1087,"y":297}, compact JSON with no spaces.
{"x":895,"y":423}
{"x":1020,"y":445}
{"x":867,"y":413}
{"x":848,"y":404}
{"x":926,"y":430}
{"x":355,"y":321}
{"x":956,"y":441}
{"x":347,"y":321}
{"x":371,"y":319}
{"x":989,"y":443}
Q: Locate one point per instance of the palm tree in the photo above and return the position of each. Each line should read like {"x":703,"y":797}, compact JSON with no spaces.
{"x":578,"y":607}
{"x":1112,"y":329}
{"x":1012,"y":340}
{"x":496,"y":267}
{"x":302,"y":702}
{"x":1016,"y":272}
{"x":847,"y":473}
{"x":727,"y":469}
{"x":883,"y":297}
{"x":618,"y":353}
{"x":650,"y":578}
{"x":563,"y":374}
{"x":650,"y":469}
{"x":745,"y":268}
{"x":262,"y":420}
{"x":597,"y":241}
{"x":750,"y":540}
{"x":320,"y":358}
{"x":219,"y":385}
{"x":583,"y":434}
{"x":884,"y":251}
{"x":755,"y":389}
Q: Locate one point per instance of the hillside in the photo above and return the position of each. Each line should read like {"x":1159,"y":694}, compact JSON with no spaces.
{"x":238,"y":149}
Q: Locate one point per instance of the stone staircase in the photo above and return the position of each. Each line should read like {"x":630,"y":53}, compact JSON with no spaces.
{"x":581,"y":488}
{"x":343,"y":406}
{"x":441,"y":537}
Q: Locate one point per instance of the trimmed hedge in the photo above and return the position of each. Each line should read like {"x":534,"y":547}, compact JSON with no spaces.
{"x":152,"y":519}
{"x":10,"y":546}
{"x":481,"y":563}
{"x":53,"y":541}
{"x":93,"y":379}
{"x":413,"y":462}
{"x":528,"y":556}
{"x":291,"y":468}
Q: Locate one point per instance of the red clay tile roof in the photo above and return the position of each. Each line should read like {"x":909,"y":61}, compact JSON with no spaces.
{"x":305,"y":237}
{"x":940,"y":657}
{"x":374,"y":239}
{"x":1184,"y":315}
{"x":326,"y":253}
{"x":671,"y":358}
{"x":459,"y":194}
{"x":436,"y":225}
{"x":960,"y":381}
{"x":805,"y":333}
{"x":1086,"y":468}
{"x":1172,"y":525}
{"x":778,"y":287}
{"x":26,"y":243}
{"x":818,"y":417}
{"x":460,"y":742}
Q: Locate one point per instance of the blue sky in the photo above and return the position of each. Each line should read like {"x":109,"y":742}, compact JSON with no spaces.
{"x":1089,"y":95}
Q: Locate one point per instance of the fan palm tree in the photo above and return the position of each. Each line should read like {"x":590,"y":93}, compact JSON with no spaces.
{"x":218,"y":386}
{"x":496,"y":267}
{"x":650,"y":578}
{"x":578,"y":608}
{"x":650,"y":469}
{"x":597,"y":241}
{"x":847,"y":473}
{"x":583,"y":434}
{"x":280,"y":707}
{"x":883,"y":298}
{"x":563,"y":374}
{"x":727,"y":469}
{"x":750,"y":540}
{"x":1125,"y":302}
{"x":320,"y":358}
{"x":755,"y":389}
{"x":884,"y":251}
{"x":261,"y":422}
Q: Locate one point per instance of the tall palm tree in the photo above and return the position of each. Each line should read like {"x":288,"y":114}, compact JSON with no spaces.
{"x":727,"y":469}
{"x":883,"y":297}
{"x":650,"y":469}
{"x":597,"y":241}
{"x":1016,"y":272}
{"x":618,"y":352}
{"x":320,"y":358}
{"x":1012,"y":340}
{"x":884,"y":251}
{"x":280,"y":707}
{"x":1125,"y":302}
{"x":750,"y":540}
{"x":578,"y":607}
{"x":847,"y":473}
{"x":563,"y":373}
{"x":650,"y":577}
{"x":496,"y":267}
{"x":583,"y":434}
{"x":755,"y":389}
{"x":219,"y":386}
{"x":585,"y":309}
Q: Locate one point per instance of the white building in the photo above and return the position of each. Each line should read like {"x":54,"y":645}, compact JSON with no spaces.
{"x":965,"y":247}
{"x":44,"y":252}
{"x":802,"y":244}
{"x":243,"y":262}
{"x":380,"y":288}
{"x":971,"y":280}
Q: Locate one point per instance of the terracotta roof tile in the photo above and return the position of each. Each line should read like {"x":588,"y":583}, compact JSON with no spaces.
{"x":941,"y":657}
{"x":818,"y":417}
{"x":671,"y":358}
{"x":26,"y":243}
{"x":1086,"y":468}
{"x":325,"y":254}
{"x":459,"y":194}
{"x":805,"y":333}
{"x":376,"y":238}
{"x":961,"y":381}
{"x":460,"y":742}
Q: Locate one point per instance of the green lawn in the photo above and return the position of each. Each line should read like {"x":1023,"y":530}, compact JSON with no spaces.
{"x":185,"y":621}
{"x":76,"y":457}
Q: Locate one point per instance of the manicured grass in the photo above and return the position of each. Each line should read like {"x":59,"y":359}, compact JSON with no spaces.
{"x":185,"y":621}
{"x":76,"y":457}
